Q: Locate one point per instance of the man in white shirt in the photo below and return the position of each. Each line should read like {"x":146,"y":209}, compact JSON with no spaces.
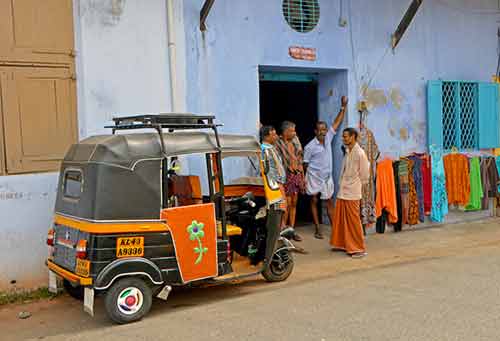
{"x":318,"y":162}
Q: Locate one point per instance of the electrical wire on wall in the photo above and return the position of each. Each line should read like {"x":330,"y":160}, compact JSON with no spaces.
{"x":353,"y":49}
{"x":341,"y":11}
{"x":355,"y":59}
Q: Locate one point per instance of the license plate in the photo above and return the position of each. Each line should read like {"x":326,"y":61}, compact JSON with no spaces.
{"x":82,"y":267}
{"x":130,"y":247}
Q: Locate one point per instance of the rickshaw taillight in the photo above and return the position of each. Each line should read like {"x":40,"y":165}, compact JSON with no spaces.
{"x":50,"y":237}
{"x":81,"y":249}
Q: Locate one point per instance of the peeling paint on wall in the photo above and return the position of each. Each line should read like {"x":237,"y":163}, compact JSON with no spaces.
{"x":404,"y":134}
{"x":403,"y":124}
{"x":102,"y":12}
{"x":396,"y":98}
{"x":373,"y":97}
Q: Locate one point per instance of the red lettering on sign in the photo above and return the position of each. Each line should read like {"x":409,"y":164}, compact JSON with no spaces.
{"x":302,"y":53}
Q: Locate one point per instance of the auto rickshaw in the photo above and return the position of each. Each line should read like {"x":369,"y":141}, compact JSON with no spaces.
{"x":128,"y":227}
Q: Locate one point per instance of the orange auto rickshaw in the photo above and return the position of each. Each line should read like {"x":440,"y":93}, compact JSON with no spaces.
{"x":129,"y":227}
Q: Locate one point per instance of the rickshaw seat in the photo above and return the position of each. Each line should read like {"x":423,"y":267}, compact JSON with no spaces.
{"x":186,"y":188}
{"x":231,"y":230}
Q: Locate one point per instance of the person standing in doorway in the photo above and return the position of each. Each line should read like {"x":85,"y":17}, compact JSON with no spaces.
{"x":318,"y":163}
{"x":291,"y":153}
{"x":348,"y":232}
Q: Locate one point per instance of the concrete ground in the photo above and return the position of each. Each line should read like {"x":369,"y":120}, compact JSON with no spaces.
{"x":438,"y":283}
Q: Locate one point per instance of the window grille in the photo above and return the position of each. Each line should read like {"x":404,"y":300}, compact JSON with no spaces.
{"x":463,"y":114}
{"x":468,"y":116}
{"x":460,"y":115}
{"x":301,"y":15}
{"x":449,"y":115}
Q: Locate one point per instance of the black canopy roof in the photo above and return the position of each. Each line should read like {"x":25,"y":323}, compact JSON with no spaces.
{"x":126,"y":150}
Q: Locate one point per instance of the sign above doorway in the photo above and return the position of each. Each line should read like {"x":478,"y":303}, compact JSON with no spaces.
{"x":302,"y":53}
{"x":287,"y":77}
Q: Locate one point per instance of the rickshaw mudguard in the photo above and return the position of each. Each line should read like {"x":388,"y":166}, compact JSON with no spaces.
{"x":128,"y":267}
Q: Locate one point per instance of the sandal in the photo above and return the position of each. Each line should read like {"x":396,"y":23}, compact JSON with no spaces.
{"x":318,"y":235}
{"x":359,"y":255}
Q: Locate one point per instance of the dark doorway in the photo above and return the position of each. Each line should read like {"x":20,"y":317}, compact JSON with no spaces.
{"x":295,"y":101}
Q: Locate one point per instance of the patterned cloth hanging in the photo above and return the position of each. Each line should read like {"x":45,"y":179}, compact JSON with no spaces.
{"x":413,"y":209}
{"x":419,"y":187}
{"x":489,"y":178}
{"x":366,"y":141}
{"x":439,"y":208}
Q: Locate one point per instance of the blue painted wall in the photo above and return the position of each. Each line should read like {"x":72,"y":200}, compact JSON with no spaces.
{"x":449,"y":39}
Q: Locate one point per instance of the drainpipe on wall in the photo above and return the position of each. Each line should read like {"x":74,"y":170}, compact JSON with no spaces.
{"x":172,"y":56}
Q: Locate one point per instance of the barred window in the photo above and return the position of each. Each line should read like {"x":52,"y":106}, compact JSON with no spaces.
{"x":460,"y":115}
{"x":301,"y":15}
{"x":463,"y":115}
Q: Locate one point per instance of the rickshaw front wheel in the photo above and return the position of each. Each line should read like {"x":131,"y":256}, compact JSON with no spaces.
{"x":280,"y":268}
{"x":128,"y":300}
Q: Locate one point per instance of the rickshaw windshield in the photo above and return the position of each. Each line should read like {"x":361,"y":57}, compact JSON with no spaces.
{"x":242,"y":170}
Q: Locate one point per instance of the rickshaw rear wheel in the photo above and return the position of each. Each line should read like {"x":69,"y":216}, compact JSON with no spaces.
{"x":128,"y":300}
{"x":280,"y":268}
{"x":75,"y":291}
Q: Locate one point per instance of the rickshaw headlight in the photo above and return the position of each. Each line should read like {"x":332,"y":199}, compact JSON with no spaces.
{"x":81,"y":249}
{"x":50,"y":237}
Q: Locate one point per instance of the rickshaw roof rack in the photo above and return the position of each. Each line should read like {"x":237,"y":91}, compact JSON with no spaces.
{"x":172,"y":121}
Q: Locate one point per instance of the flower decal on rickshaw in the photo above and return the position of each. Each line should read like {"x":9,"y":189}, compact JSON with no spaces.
{"x":196,"y":232}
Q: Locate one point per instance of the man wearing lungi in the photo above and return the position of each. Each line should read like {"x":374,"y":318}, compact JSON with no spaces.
{"x":347,"y":234}
{"x":318,"y":163}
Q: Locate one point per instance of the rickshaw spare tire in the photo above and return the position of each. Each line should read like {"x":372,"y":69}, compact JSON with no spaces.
{"x":128,"y":300}
{"x":75,"y":291}
{"x":281,"y":266}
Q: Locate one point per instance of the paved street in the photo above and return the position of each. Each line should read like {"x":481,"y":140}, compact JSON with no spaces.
{"x":427,"y":284}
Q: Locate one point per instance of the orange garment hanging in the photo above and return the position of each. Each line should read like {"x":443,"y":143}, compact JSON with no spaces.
{"x":456,"y":169}
{"x":386,"y":191}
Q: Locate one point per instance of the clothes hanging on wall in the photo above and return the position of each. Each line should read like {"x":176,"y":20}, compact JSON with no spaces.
{"x":489,"y":178}
{"x":417,"y":176}
{"x":398,"y":226}
{"x":404,"y":187}
{"x":367,"y":142}
{"x":476,"y":187}
{"x":439,"y":208}
{"x":381,"y":222}
{"x":386,"y":191}
{"x":413,"y":210}
{"x":427,"y":183}
{"x":456,"y":167}
{"x":498,"y":170}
